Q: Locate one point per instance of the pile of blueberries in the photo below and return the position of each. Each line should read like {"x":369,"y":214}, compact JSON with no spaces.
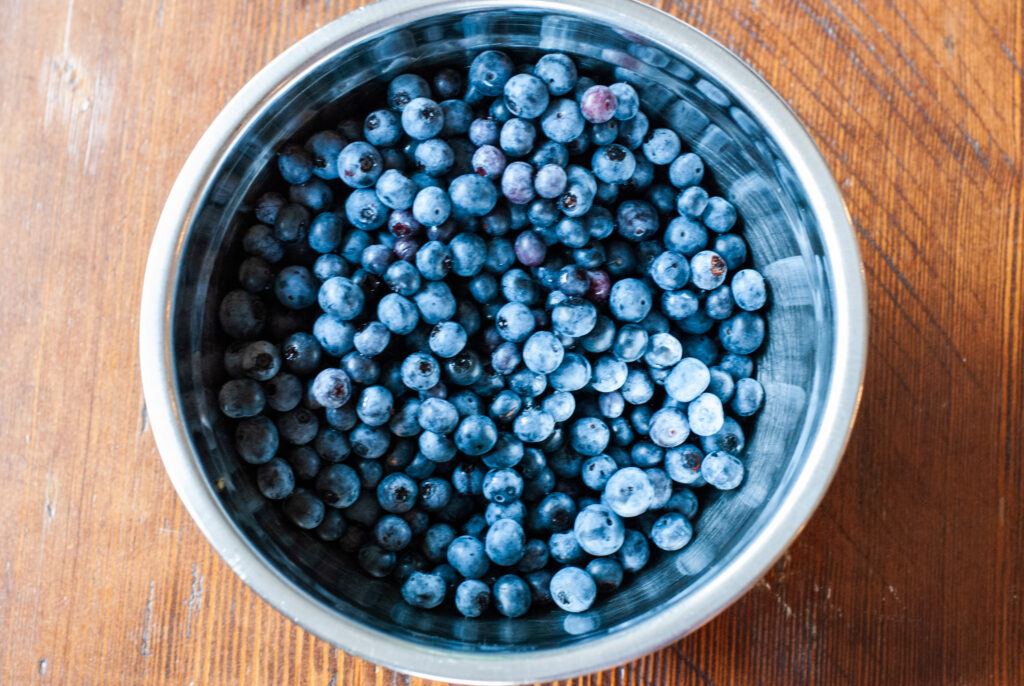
{"x":489,"y":339}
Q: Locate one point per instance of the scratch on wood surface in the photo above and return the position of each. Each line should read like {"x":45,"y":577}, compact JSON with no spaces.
{"x":42,"y":667}
{"x":49,"y":508}
{"x":145,"y":419}
{"x":147,"y":621}
{"x":704,"y":677}
{"x":194,"y":602}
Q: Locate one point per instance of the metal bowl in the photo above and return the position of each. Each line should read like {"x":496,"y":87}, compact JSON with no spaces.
{"x":800,"y":238}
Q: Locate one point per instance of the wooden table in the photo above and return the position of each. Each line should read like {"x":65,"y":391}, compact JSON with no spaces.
{"x":912,"y":570}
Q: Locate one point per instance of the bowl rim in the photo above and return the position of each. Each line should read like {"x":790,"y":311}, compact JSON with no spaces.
{"x":736,"y":576}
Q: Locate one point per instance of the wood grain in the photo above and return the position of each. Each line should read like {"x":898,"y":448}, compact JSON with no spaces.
{"x":912,"y":570}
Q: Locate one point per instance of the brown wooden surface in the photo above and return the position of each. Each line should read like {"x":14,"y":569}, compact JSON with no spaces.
{"x":911,"y":572}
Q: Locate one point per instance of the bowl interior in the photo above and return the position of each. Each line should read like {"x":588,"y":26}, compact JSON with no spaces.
{"x":748,"y":168}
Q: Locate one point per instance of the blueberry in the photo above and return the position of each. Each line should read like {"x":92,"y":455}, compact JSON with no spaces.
{"x":431,"y":207}
{"x":543,"y":352}
{"x":692,"y":202}
{"x":634,"y":552}
{"x":517,"y":181}
{"x":637,"y":220}
{"x":534,"y":425}
{"x":256,"y":440}
{"x":686,"y":236}
{"x":564,"y":549}
{"x":626,"y":99}
{"x":375,"y":406}
{"x":397,"y":191}
{"x":514,"y":322}
{"x":422,"y":118}
{"x":598,"y":104}
{"x":562,"y":121}
{"x":530,"y":249}
{"x":664,"y":350}
{"x":671,"y":531}
{"x":325,"y":232}
{"x":392,"y":533}
{"x":528,"y":384}
{"x":332,"y":527}
{"x":284,"y":392}
{"x":669,"y":427}
{"x":633,"y":131}
{"x":483,"y":132}
{"x":556,"y":512}
{"x":361,"y":369}
{"x":609,"y":374}
{"x":489,"y":72}
{"x":661,"y":146}
{"x":684,"y":502}
{"x":729,"y":438}
{"x":359,"y":165}
{"x":574,"y":317}
{"x":382,"y":128}
{"x":314,"y":195}
{"x":448,"y":83}
{"x":549,"y":181}
{"x":590,"y":436}
{"x":405,"y":88}
{"x":489,"y":162}
{"x":275,"y":479}
{"x":304,"y":509}
{"x":472,"y":598}
{"x":305,"y":462}
{"x":458,"y":115}
{"x":560,"y":405}
{"x":597,"y":470}
{"x":748,"y":290}
{"x":476,"y":435}
{"x":375,"y":561}
{"x":397,"y":313}
{"x":397,"y":493}
{"x":466,"y":554}
{"x":748,"y":398}
{"x":332,"y":445}
{"x":295,"y":164}
{"x":732,"y":248}
{"x":472,"y":194}
{"x":629,"y":492}
{"x":630,"y":300}
{"x":369,"y":442}
{"x":721,"y":384}
{"x":434,"y":157}
{"x":722,"y":470}
{"x":259,"y":240}
{"x":505,"y":542}
{"x":686,"y":170}
{"x":240,"y":398}
{"x":606,"y":572}
{"x":598,"y":530}
{"x":557,"y":71}
{"x":436,"y":540}
{"x":365,"y":211}
{"x":705,"y":414}
{"x":436,"y":447}
{"x":340,"y":297}
{"x":646,"y":454}
{"x":742,"y":334}
{"x":505,"y":406}
{"x":502,"y":486}
{"x":514,"y":510}
{"x":573,"y":589}
{"x":720,"y":215}
{"x":424,"y":590}
{"x":464,"y":369}
{"x":512,"y":596}
{"x":604,"y":133}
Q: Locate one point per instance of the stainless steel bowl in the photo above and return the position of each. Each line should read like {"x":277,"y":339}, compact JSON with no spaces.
{"x":812,"y":369}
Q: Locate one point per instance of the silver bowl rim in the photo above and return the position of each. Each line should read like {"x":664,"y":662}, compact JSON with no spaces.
{"x":849,"y":305}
